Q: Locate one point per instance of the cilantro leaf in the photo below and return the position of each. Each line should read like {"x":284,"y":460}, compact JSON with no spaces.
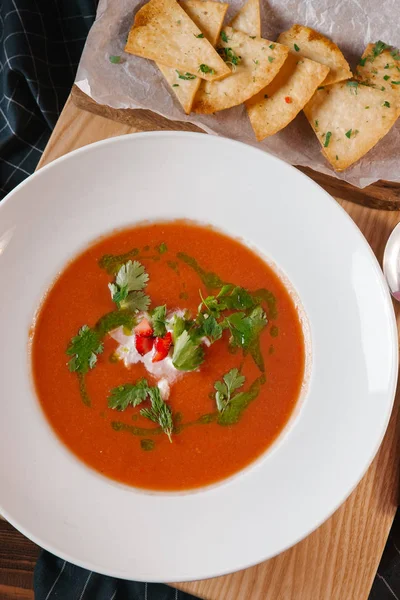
{"x":213,"y":305}
{"x":178,"y":326}
{"x":159,"y":412}
{"x":126,"y":291}
{"x":225,"y":290}
{"x":84,"y":349}
{"x":128,"y":395}
{"x":229,"y":297}
{"x":118,"y":294}
{"x":231,"y":381}
{"x":158,"y":319}
{"x":239,"y":403}
{"x":240,"y":329}
{"x":132,"y":275}
{"x":211,"y":328}
{"x":245,"y":329}
{"x":239,"y":299}
{"x":259,"y":321}
{"x":136,"y":301}
{"x":188,"y":354}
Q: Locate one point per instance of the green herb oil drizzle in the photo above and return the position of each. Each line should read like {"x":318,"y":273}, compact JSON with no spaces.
{"x":82,"y":389}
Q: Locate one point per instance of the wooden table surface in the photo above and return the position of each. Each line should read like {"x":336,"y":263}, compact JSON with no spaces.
{"x":339,"y":560}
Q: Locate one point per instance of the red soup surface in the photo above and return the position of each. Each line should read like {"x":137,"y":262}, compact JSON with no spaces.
{"x":183,"y":260}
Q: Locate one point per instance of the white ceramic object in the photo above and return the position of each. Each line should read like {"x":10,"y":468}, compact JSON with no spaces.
{"x":94,"y":522}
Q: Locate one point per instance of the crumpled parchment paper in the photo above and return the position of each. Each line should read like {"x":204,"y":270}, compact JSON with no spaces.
{"x":137,"y":83}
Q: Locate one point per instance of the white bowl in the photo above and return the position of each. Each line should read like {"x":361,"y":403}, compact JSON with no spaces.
{"x":94,"y":522}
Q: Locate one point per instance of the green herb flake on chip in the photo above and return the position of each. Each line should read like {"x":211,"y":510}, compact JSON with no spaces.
{"x":327,"y":138}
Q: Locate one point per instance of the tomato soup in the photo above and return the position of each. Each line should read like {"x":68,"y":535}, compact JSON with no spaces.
{"x":168,"y":356}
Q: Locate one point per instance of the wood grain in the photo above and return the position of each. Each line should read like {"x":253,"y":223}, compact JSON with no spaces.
{"x":339,"y":560}
{"x":383,"y":195}
{"x":18,"y":557}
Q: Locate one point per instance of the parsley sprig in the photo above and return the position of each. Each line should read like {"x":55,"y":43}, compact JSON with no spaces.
{"x":127,"y":292}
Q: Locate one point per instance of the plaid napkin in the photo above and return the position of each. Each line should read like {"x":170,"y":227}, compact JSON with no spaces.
{"x":40,"y":45}
{"x":41,"y":42}
{"x":55,"y":579}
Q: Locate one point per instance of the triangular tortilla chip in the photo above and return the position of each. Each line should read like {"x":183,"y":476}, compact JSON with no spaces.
{"x":257,"y":63}
{"x":248,"y":18}
{"x":303,"y":41}
{"x":279,"y":103}
{"x":349,"y":119}
{"x":380,"y":67}
{"x":163,"y":32}
{"x":208,"y":16}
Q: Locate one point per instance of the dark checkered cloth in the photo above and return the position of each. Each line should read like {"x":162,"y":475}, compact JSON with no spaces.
{"x":41,"y":42}
{"x":40,"y":45}
{"x":55,"y":579}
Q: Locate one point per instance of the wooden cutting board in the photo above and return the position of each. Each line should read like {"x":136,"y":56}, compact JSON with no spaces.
{"x":339,"y":560}
{"x":383,"y":195}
